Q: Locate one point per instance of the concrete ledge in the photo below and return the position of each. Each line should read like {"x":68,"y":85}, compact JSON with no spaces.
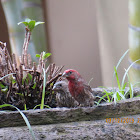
{"x":65,"y":115}
{"x":83,"y":130}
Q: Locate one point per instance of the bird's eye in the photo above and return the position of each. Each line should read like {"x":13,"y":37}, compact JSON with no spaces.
{"x":60,"y":85}
{"x":70,"y":72}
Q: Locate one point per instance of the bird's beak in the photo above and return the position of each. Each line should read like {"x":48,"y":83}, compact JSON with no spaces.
{"x":64,"y":75}
{"x":54,"y":87}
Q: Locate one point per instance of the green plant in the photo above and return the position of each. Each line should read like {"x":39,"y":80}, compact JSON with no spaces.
{"x":30,"y":24}
{"x":122,"y":92}
{"x":43,"y":92}
{"x":28,"y":84}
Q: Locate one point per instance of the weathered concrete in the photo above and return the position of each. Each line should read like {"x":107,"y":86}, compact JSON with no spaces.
{"x":85,"y":130}
{"x":76,"y":123}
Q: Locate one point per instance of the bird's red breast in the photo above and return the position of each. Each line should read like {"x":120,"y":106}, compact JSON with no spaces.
{"x":75,"y":88}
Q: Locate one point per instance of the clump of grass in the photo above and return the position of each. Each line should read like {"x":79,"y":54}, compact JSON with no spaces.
{"x":125,"y":89}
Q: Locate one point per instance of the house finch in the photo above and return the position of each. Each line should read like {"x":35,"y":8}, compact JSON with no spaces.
{"x":80,"y":91}
{"x":63,"y":96}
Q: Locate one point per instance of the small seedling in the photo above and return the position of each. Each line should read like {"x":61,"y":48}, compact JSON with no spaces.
{"x":30,"y":24}
{"x":44,"y":55}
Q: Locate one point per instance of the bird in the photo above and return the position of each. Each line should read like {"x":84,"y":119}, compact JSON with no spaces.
{"x":63,"y":96}
{"x":78,"y":88}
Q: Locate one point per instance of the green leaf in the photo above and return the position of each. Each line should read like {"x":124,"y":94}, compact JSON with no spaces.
{"x":31,"y":25}
{"x":46,"y":55}
{"x":37,"y":55}
{"x":13,"y":81}
{"x":120,"y":95}
{"x":124,"y":86}
{"x":29,"y":76}
{"x":43,"y":92}
{"x":101,"y":98}
{"x":25,"y":23}
{"x":125,"y":74}
{"x":34,"y":86}
{"x":20,"y":94}
{"x":39,"y":22}
{"x":40,"y":105}
{"x":1,"y":85}
{"x":107,"y":95}
{"x":118,"y":82}
{"x":4,"y":90}
{"x":25,"y":107}
{"x":120,"y":60}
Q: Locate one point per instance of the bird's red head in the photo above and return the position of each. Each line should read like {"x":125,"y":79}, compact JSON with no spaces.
{"x":71,"y":74}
